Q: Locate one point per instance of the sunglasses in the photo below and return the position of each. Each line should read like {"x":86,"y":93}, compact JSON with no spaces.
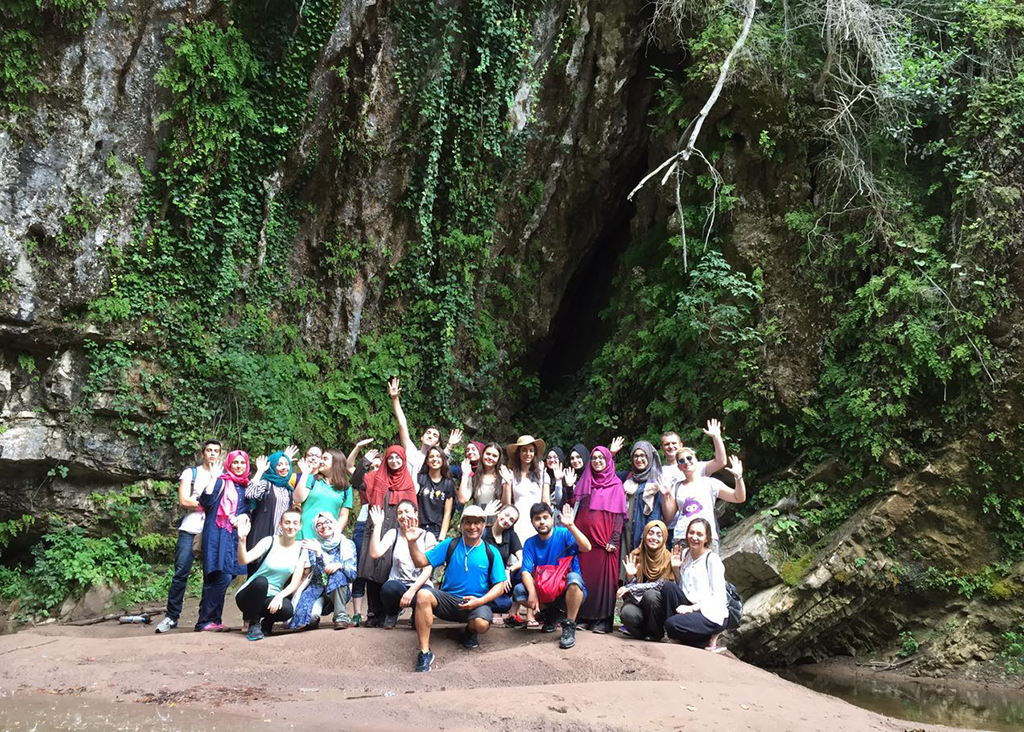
{"x":688,"y":459}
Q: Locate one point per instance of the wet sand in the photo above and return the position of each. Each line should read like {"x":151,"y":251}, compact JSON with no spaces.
{"x":362,"y":679}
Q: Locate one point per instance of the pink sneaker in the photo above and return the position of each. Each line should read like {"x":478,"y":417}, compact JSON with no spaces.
{"x":214,"y":628}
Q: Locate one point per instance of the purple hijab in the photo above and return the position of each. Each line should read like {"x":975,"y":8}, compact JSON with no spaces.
{"x":604,"y":488}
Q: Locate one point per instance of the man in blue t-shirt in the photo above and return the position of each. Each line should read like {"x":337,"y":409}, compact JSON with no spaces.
{"x":474,"y":577}
{"x":551,"y":544}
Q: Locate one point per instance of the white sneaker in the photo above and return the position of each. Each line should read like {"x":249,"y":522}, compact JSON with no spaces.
{"x":166,"y":624}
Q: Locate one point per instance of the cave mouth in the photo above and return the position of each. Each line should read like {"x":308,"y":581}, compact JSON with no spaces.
{"x":577,"y":330}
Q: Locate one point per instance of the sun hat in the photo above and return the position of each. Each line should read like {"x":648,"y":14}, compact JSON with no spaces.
{"x":523,"y":441}
{"x":472,"y":511}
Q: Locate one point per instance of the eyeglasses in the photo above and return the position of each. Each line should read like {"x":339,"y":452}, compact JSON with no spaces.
{"x":688,"y":459}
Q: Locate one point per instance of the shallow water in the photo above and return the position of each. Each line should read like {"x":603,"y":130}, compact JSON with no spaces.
{"x":957,"y":706}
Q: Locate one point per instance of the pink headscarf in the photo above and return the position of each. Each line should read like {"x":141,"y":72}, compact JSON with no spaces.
{"x":229,"y":497}
{"x":605,"y":489}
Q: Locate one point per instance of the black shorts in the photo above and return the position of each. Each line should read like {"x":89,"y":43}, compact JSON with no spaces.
{"x":448,"y":608}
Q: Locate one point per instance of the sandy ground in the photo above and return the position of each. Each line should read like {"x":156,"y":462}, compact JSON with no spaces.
{"x":361,"y":679}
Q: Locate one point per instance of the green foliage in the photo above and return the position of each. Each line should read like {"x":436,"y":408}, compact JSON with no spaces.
{"x":22,"y":25}
{"x":1012,"y":653}
{"x":793,"y":570}
{"x":908,"y":644}
{"x":12,"y":527}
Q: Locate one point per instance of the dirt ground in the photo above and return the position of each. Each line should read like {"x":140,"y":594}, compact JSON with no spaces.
{"x":362,"y":679}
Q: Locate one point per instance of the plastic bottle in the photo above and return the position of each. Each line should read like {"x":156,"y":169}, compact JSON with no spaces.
{"x":144,"y":619}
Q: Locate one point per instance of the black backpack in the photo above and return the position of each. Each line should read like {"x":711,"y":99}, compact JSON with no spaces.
{"x":487,"y":547}
{"x":733,"y":602}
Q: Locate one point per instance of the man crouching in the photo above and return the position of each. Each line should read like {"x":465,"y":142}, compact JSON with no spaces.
{"x":474,"y":576}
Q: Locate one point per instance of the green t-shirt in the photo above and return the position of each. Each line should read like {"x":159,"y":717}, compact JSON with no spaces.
{"x":322,"y":498}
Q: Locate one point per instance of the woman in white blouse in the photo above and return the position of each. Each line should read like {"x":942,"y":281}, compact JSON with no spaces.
{"x":697,"y":601}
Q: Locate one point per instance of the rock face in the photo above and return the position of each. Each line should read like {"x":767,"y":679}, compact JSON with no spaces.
{"x":879,"y":576}
{"x":75,"y":164}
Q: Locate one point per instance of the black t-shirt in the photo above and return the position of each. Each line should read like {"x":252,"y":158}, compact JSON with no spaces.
{"x":431,"y":498}
{"x":509,"y":545}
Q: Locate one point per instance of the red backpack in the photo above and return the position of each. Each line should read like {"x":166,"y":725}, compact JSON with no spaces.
{"x":549,"y":579}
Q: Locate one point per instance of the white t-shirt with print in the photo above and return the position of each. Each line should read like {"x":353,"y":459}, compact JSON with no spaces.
{"x":402,"y":568}
{"x":414,"y":459}
{"x":696,"y":500}
{"x":195,"y":518}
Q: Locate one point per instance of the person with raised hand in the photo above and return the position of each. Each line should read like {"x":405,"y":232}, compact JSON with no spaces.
{"x":502,"y":536}
{"x":415,"y":455}
{"x":488,"y":481}
{"x":270,"y":494}
{"x":554,"y":549}
{"x":191,"y":484}
{"x":386,"y":487}
{"x":695,"y":495}
{"x":474,"y":577}
{"x":643,"y":497}
{"x":405,"y":579}
{"x":265,"y":598}
{"x":671,"y":444}
{"x":601,"y":501}
{"x":331,"y":492}
{"x":435,"y":494}
{"x":528,"y":485}
{"x":357,"y":468}
{"x":697,"y":602}
{"x":223,"y":501}
{"x":329,"y":564}
{"x":647,"y":569}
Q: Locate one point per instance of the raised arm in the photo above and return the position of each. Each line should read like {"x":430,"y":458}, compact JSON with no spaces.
{"x":255,"y":490}
{"x":394,"y":391}
{"x":465,"y":492}
{"x":377,"y":517}
{"x":355,"y":453}
{"x":248,"y":556}
{"x":301,"y":492}
{"x":569,"y":522}
{"x":412,"y":533}
{"x":739,"y":493}
{"x":714,"y":431}
{"x":669,"y":507}
{"x":446,"y":521}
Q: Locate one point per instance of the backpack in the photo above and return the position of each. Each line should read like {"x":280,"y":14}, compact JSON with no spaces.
{"x":733,"y":602}
{"x":487,"y":547}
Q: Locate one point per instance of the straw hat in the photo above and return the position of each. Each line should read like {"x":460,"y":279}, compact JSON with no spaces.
{"x":523,"y":441}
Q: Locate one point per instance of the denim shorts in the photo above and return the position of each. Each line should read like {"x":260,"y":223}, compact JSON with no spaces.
{"x":519,"y":593}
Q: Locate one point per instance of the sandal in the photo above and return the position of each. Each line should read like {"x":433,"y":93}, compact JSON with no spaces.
{"x":498,"y":621}
{"x":532,"y":623}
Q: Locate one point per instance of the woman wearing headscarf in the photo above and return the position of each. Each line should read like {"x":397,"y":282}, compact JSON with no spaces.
{"x":269,"y":494}
{"x":528,"y":485}
{"x":643,"y":496}
{"x":330,"y":561}
{"x":601,"y":511}
{"x":331,"y":492}
{"x":386,"y":487}
{"x":647,"y":569}
{"x":224,"y":501}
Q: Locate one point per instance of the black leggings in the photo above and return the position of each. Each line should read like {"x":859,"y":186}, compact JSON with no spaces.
{"x":391,"y":596}
{"x":254,"y":598}
{"x":374,"y":605}
{"x":690,"y":629}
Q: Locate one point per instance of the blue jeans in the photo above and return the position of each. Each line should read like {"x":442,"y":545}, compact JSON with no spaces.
{"x":211,"y":604}
{"x":520,"y":594}
{"x":183,"y":558}
{"x":359,"y":585}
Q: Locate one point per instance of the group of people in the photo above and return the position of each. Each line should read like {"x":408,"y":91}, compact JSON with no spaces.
{"x":545,"y":540}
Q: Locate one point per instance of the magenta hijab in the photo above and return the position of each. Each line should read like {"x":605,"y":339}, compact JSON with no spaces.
{"x":228,"y":505}
{"x":604,"y":488}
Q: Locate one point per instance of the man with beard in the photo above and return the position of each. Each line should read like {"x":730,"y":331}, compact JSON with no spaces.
{"x":545,"y":550}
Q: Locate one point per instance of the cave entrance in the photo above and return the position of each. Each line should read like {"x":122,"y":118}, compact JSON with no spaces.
{"x":577,"y":330}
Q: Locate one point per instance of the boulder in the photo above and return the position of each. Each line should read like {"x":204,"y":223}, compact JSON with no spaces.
{"x":750,"y":562}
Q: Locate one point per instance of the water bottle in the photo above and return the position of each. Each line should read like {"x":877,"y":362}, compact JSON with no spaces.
{"x":133,"y":619}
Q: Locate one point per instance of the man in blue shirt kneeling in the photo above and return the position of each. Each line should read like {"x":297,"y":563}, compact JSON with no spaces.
{"x":545,"y":550}
{"x":474,"y":577}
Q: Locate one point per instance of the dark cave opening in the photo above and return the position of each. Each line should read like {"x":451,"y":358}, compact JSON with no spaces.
{"x":577,"y":329}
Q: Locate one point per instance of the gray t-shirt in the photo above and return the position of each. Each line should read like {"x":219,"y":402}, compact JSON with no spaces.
{"x":402,"y":568}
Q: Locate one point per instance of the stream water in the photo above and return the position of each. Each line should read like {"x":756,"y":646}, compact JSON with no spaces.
{"x":999,"y":710}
